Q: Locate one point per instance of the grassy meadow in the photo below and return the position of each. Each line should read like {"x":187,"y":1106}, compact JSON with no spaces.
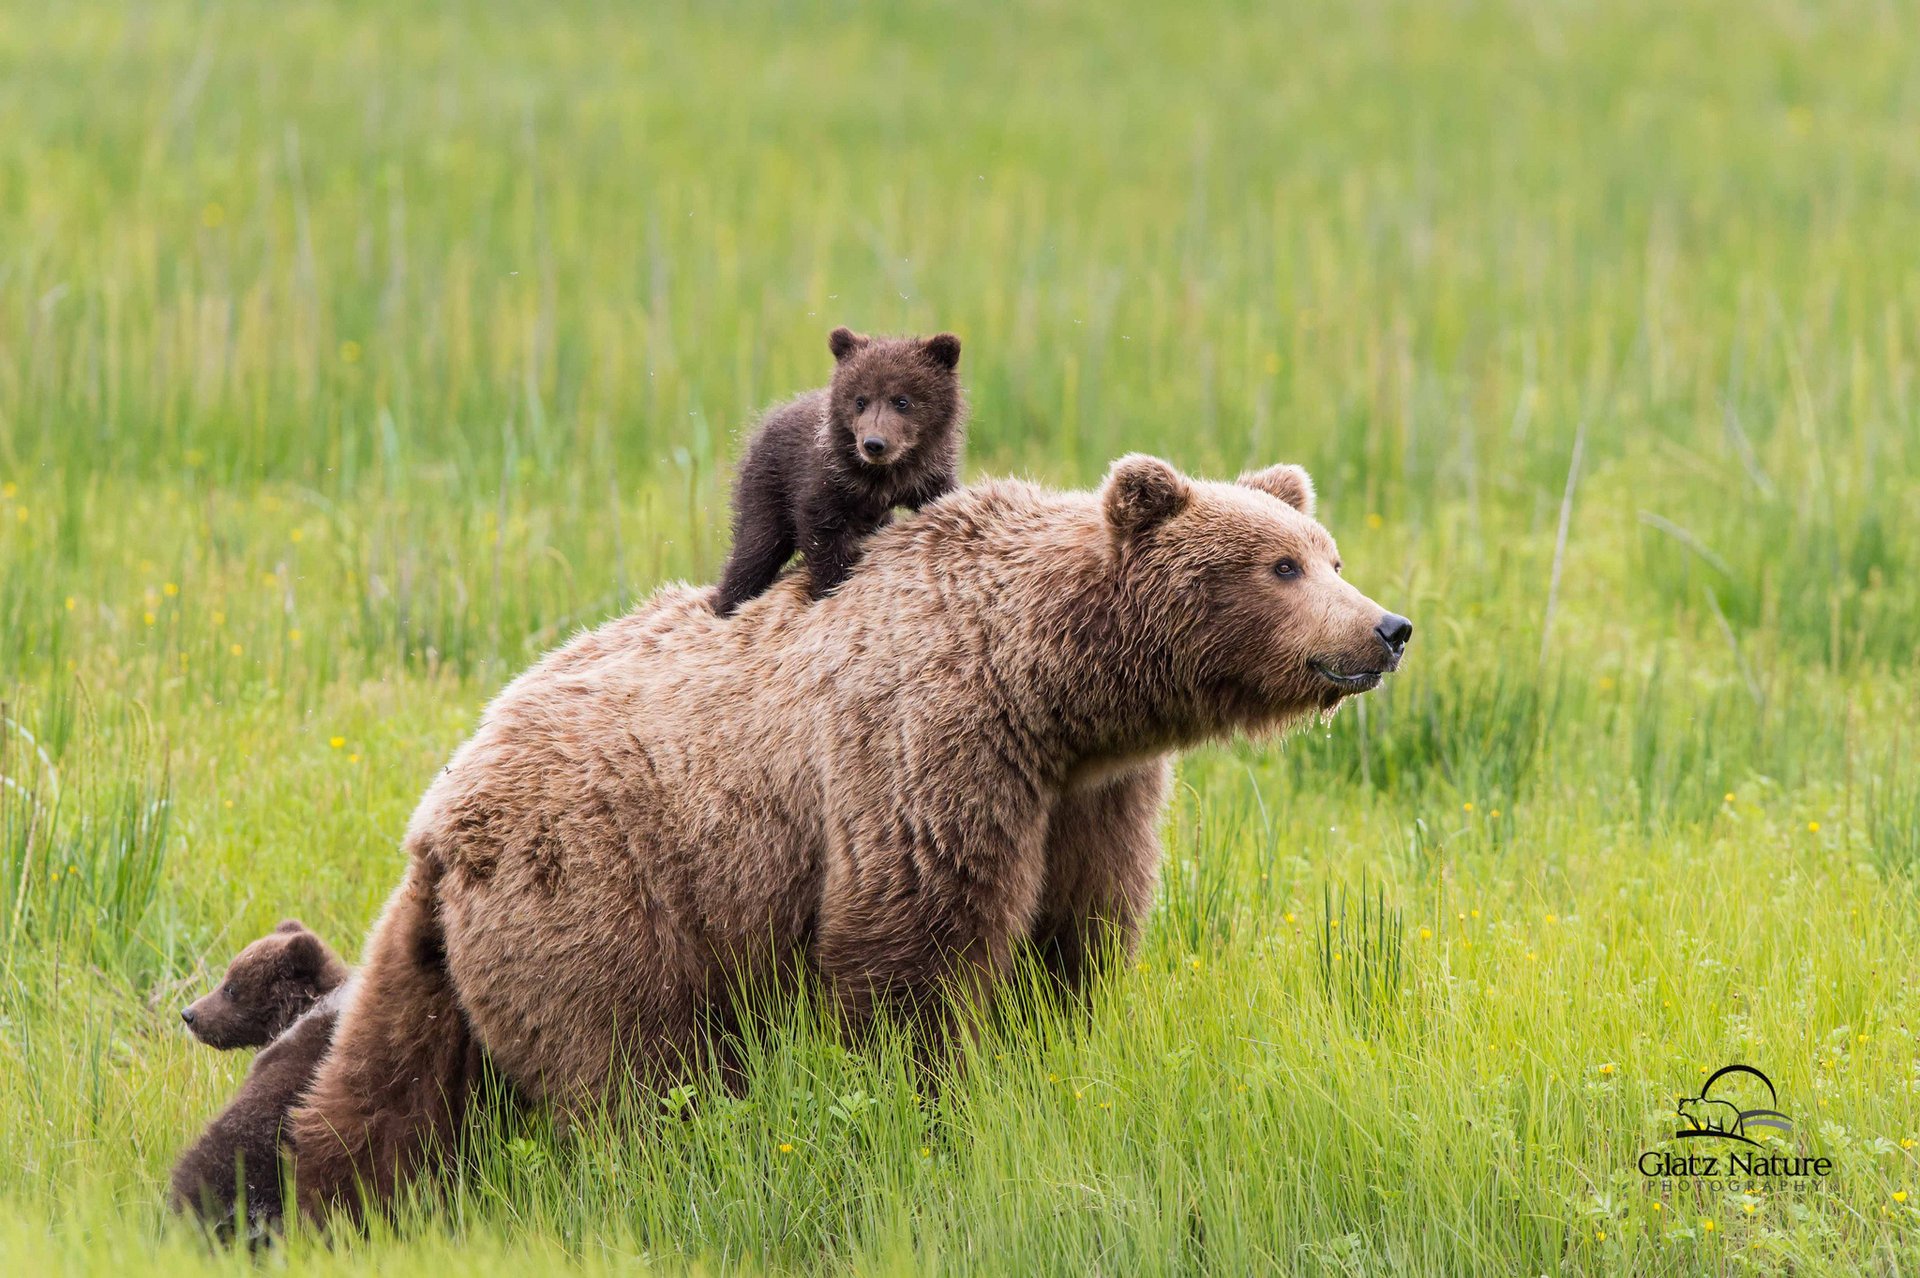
{"x":353,"y":355}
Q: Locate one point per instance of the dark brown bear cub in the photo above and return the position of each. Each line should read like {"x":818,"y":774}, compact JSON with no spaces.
{"x":827,"y":469}
{"x":282,"y":992}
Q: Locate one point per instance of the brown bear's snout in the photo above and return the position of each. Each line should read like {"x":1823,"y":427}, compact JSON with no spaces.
{"x":1393,"y":632}
{"x":187,"y":1013}
{"x":874,"y":447}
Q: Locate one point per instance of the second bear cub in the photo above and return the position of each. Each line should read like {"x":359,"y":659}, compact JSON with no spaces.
{"x":827,"y":469}
{"x":282,"y":992}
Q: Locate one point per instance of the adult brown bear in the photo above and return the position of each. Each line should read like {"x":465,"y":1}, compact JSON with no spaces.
{"x":963,"y":751}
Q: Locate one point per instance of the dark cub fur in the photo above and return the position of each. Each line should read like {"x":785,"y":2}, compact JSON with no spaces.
{"x":282,"y":991}
{"x":827,"y":469}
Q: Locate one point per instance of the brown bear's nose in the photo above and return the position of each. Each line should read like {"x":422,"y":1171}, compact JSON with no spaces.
{"x":186,"y":1014}
{"x":1394,"y":631}
{"x":874,"y":445}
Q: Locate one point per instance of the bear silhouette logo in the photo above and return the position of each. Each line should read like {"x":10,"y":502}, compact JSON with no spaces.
{"x":1708,"y":1115}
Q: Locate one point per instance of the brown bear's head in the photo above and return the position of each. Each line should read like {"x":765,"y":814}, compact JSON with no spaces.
{"x":891,"y":395}
{"x":267,"y":988}
{"x":1243,"y":589}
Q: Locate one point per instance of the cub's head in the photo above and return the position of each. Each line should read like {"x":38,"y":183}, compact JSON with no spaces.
{"x":1246,"y":592}
{"x":267,"y":988}
{"x":892,"y":396}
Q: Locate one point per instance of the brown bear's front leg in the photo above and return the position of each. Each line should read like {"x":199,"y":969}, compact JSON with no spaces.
{"x":1103,"y":863}
{"x":920,"y":927}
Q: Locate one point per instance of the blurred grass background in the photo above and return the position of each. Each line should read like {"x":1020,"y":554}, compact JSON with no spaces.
{"x":352,"y":355}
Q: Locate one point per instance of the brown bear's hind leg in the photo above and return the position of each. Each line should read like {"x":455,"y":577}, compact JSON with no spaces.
{"x":393,"y":1088}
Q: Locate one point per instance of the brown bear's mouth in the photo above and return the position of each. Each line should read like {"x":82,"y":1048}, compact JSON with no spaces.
{"x":1358,"y":681}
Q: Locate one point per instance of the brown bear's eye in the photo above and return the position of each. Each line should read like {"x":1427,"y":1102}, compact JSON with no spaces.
{"x":901,"y":403}
{"x":860,"y":403}
{"x":1286,"y":568}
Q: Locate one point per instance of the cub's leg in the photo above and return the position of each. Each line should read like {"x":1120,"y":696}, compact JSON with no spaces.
{"x":832,"y":550}
{"x":1103,"y":863}
{"x":763,"y":541}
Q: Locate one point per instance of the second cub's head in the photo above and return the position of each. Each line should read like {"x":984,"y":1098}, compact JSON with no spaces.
{"x":268,"y":986}
{"x":1241,"y":597}
{"x":892,"y":397}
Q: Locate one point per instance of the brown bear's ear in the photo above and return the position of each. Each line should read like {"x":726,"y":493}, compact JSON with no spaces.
{"x":943,"y":349}
{"x":1140,"y":492}
{"x":843,"y":342}
{"x":1290,"y":484}
{"x":292,"y":925}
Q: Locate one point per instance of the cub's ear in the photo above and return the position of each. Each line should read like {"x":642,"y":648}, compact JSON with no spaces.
{"x":292,"y":925}
{"x":305,"y":952}
{"x":943,"y":349}
{"x":843,"y":342}
{"x":1290,"y":484}
{"x":1140,"y":492}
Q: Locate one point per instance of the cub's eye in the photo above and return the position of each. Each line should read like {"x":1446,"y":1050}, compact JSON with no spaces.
{"x":860,"y":403}
{"x":227,"y":989}
{"x":901,"y":403}
{"x":1286,"y":568}
{"x":1336,"y":565}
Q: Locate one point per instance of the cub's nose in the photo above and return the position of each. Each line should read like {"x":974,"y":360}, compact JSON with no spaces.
{"x":186,"y":1014}
{"x":873,"y":446}
{"x":1394,"y":631}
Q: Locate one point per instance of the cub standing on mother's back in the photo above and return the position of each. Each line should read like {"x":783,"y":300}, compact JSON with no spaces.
{"x":826,"y":469}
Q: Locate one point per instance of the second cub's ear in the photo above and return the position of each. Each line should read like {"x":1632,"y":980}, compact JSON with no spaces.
{"x":305,"y":952}
{"x":843,"y":342}
{"x":1141,"y":492}
{"x":292,"y":925}
{"x":1290,"y":484}
{"x":943,"y":349}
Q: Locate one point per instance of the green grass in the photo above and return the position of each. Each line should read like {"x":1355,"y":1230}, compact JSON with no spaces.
{"x":352,"y":356}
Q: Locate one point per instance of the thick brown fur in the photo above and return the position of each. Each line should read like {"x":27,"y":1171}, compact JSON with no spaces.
{"x":825,"y":470}
{"x":962,"y":754}
{"x":391,"y":1094}
{"x":283,"y":991}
